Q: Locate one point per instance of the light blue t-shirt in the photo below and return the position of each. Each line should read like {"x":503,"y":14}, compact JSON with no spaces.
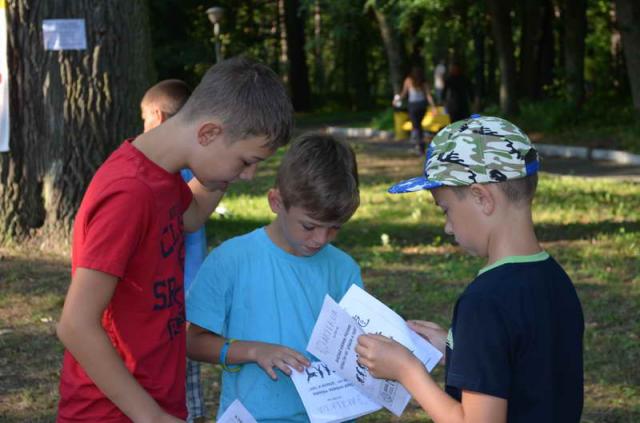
{"x":195,"y":245}
{"x":250,"y":289}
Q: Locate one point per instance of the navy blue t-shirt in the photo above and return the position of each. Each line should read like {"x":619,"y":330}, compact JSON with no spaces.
{"x":517,"y":334}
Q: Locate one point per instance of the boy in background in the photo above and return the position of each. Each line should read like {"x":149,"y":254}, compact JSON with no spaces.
{"x":255,"y":301}
{"x":123,"y":321}
{"x":514,"y":350}
{"x":159,"y":103}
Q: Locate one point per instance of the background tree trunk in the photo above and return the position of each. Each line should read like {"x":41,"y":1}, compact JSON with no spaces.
{"x":575,"y":19}
{"x":532,"y":15}
{"x":501,"y":28}
{"x":69,"y":109}
{"x":318,"y":68}
{"x":628,"y":15}
{"x":298,"y":69}
{"x":396,"y":54}
{"x":547,"y":55}
{"x":478,"y":72}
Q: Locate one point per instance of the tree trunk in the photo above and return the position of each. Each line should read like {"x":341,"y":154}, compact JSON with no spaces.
{"x":628,"y":15}
{"x":478,"y":72}
{"x":396,"y":54}
{"x":575,"y":19}
{"x":417,"y":43}
{"x":501,"y":28}
{"x":547,"y":56}
{"x":69,"y":109}
{"x":530,"y":47}
{"x":283,"y":61}
{"x":298,"y":69}
{"x":318,"y":69}
{"x":492,"y":66}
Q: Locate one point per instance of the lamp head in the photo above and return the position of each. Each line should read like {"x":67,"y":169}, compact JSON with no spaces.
{"x":215,"y":14}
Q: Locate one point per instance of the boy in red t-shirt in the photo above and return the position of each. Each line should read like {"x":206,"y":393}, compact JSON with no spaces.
{"x":123,"y":322}
{"x":158,"y":104}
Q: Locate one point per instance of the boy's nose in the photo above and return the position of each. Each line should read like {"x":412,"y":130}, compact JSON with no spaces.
{"x":448,"y":229}
{"x":322,"y":236}
{"x":249,"y":172}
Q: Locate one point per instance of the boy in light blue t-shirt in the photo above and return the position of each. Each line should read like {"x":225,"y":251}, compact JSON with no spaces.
{"x":256,"y":298}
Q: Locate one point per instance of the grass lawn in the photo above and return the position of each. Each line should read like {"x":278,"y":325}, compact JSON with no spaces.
{"x":591,"y":226}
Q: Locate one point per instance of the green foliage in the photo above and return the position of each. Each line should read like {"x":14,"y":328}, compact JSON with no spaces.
{"x":181,"y":38}
{"x":604,"y":65}
{"x":383,"y":120}
{"x":348,"y":64}
{"x":332,"y":115}
{"x":601,"y":123}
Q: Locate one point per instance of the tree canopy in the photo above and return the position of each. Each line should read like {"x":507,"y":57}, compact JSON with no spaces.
{"x":354,"y":51}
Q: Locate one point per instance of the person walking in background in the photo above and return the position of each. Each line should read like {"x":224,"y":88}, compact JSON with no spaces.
{"x":439,"y":73}
{"x":419,"y":97}
{"x":159,"y":103}
{"x":457,"y":94}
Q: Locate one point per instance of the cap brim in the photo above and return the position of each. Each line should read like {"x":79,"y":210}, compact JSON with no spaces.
{"x":414,"y":184}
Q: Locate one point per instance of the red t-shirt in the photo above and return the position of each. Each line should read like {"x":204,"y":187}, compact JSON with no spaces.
{"x":130,"y":225}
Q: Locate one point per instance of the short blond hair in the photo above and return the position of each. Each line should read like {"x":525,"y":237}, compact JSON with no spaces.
{"x":169,"y":96}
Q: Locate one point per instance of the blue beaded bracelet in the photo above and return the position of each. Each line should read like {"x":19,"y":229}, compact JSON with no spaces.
{"x":223,"y":356}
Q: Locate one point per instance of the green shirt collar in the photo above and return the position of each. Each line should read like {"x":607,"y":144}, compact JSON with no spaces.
{"x":542,"y":255}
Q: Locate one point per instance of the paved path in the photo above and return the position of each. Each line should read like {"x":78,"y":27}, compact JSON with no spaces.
{"x":563,"y":166}
{"x":591,"y":168}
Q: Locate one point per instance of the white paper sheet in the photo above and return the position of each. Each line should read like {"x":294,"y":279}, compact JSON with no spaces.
{"x":64,"y":34}
{"x":236,"y":413}
{"x":374,"y":316}
{"x":329,"y":398}
{"x":333,"y":340}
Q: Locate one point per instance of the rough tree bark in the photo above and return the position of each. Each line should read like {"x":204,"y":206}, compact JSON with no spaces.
{"x":69,"y":109}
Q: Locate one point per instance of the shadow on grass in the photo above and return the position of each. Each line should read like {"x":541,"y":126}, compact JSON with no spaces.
{"x":610,"y":415}
{"x":572,"y":231}
{"x":367,"y":232}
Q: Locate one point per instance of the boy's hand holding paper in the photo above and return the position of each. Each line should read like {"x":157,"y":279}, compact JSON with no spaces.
{"x":386,"y":358}
{"x":375,"y":317}
{"x":336,"y":333}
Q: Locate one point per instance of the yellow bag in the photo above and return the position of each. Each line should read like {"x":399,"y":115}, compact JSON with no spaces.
{"x":431,"y":122}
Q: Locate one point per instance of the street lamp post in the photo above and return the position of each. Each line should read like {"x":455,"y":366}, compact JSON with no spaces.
{"x":215,"y":16}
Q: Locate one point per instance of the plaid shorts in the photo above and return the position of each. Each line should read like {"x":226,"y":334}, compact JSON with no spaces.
{"x":195,"y":399}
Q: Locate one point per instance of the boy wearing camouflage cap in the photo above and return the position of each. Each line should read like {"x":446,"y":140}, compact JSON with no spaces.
{"x":514,"y":350}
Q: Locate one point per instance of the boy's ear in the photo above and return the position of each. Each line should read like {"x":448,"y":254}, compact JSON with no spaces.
{"x":161,"y":116}
{"x":483,"y":197}
{"x":275,"y":200}
{"x":208,"y":132}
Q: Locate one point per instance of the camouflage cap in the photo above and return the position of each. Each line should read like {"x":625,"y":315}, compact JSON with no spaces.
{"x":478,"y":150}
